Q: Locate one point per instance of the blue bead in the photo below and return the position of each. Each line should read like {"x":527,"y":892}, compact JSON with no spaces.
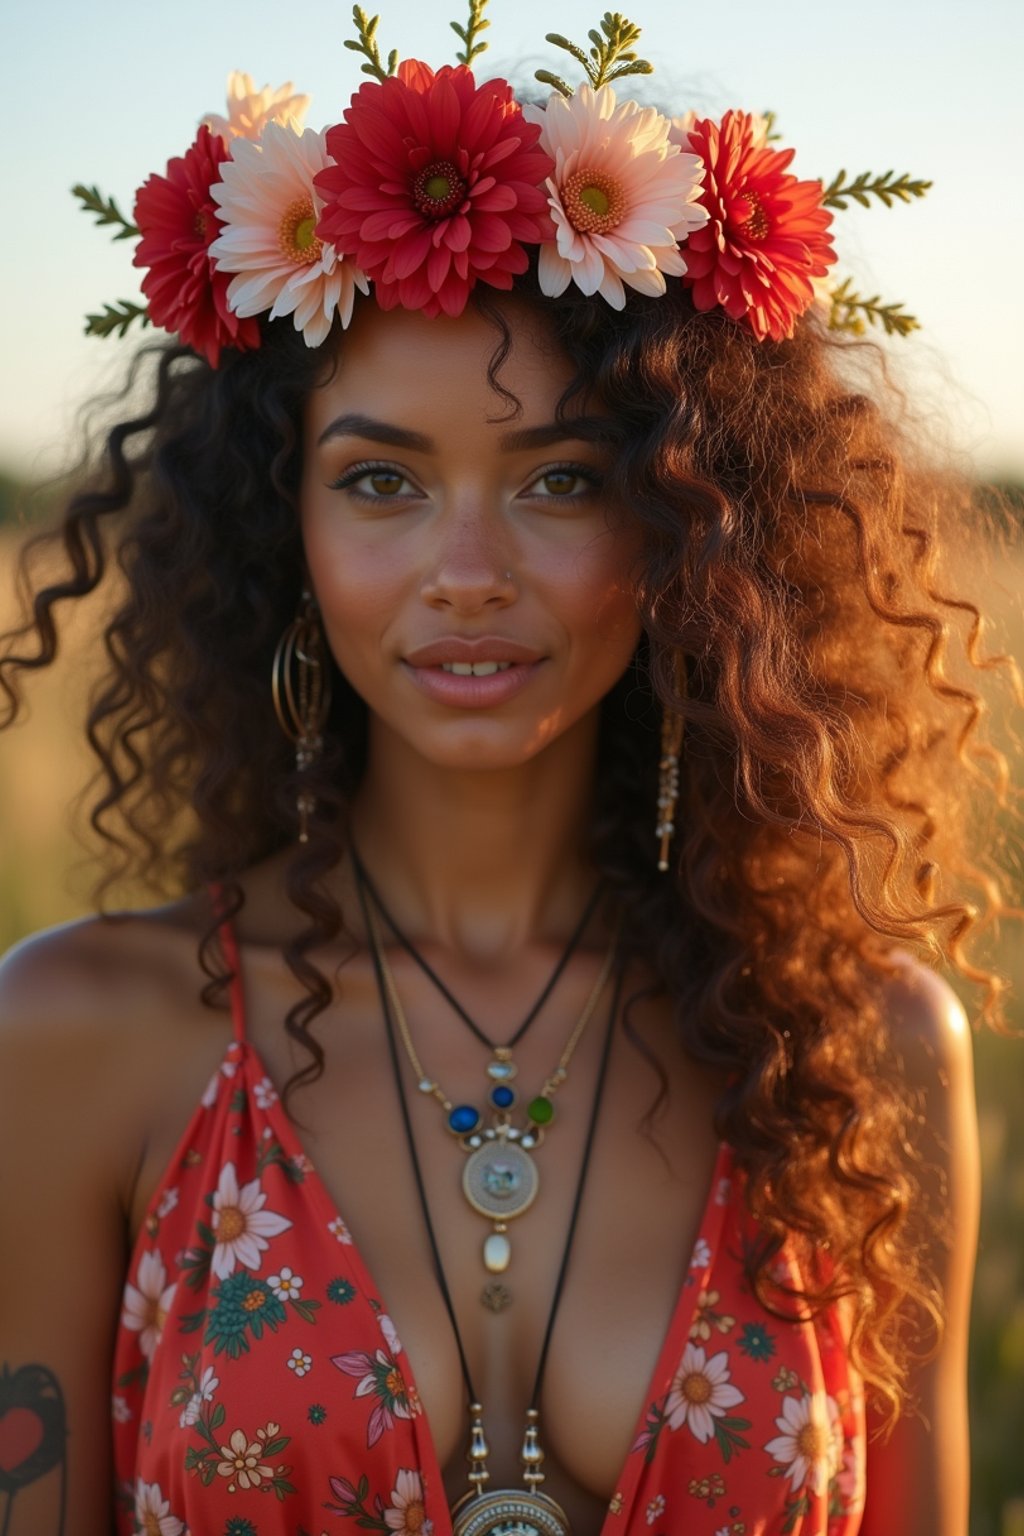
{"x":463,"y":1119}
{"x":503,"y":1098}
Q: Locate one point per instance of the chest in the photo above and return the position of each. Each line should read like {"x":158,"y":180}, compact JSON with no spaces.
{"x":641,"y":1203}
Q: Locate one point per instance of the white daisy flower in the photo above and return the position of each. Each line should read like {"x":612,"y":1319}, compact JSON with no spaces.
{"x":207,"y":1387}
{"x":168,"y":1201}
{"x":270,"y":209}
{"x":701,"y":1256}
{"x":265,"y":1093}
{"x":240,"y":1224}
{"x":810,"y":1446}
{"x":152,"y":1511}
{"x":406,"y":1516}
{"x":622,"y":197}
{"x":390,"y":1333}
{"x":286,"y":1286}
{"x":700,"y":1392}
{"x":299,"y":1362}
{"x":147,"y":1304}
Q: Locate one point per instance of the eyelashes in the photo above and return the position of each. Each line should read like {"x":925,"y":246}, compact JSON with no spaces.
{"x":384,"y":471}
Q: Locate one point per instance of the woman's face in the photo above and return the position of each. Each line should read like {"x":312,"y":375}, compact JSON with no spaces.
{"x":415,"y":508}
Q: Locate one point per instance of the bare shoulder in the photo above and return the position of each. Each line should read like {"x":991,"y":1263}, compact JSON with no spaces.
{"x":89,"y":1010}
{"x":930,"y":1034}
{"x":95,"y":975}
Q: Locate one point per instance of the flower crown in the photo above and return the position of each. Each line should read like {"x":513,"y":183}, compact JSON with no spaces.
{"x":433,"y":182}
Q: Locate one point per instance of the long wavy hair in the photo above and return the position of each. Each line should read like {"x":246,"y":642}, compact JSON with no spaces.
{"x":837,"y":794}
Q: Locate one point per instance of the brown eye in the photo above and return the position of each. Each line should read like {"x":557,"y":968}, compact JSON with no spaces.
{"x":559,"y":482}
{"x":385,"y":482}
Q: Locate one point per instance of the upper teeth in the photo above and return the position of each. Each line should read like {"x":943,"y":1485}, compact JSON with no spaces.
{"x":475,"y":668}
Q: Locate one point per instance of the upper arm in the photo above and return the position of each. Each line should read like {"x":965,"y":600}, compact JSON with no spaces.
{"x":918,"y":1479}
{"x":61,"y":1236}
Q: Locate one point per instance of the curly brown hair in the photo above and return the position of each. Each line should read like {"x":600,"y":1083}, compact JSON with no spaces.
{"x":798,"y":540}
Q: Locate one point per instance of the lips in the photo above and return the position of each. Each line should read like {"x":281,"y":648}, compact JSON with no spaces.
{"x":481,"y":648}
{"x":473,"y":692}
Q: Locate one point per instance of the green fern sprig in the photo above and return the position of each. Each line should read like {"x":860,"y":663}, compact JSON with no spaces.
{"x":476,"y":24}
{"x":116,"y":317}
{"x":367,"y":43}
{"x":837,"y":192}
{"x":106,"y":211}
{"x":849,"y":311}
{"x":609,"y":57}
{"x":770,"y":135}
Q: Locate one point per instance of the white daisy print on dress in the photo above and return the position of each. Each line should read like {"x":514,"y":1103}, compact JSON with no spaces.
{"x":241,"y":1225}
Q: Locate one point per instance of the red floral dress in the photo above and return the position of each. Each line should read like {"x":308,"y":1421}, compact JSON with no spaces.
{"x":260,"y":1388}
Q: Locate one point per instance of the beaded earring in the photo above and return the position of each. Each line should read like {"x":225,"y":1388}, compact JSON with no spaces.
{"x":668,"y":785}
{"x":301,"y":707}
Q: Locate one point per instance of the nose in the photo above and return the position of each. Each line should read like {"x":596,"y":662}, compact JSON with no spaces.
{"x":472,"y":568}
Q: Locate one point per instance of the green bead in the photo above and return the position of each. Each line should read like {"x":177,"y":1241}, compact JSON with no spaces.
{"x":541,"y":1111}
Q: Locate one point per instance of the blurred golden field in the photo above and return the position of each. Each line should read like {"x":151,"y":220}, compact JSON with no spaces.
{"x":46,"y":878}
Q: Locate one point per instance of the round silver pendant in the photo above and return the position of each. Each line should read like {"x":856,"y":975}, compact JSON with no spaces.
{"x":500,"y":1180}
{"x":509,"y":1512}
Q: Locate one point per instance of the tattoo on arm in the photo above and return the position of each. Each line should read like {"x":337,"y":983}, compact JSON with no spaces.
{"x":33,"y":1434}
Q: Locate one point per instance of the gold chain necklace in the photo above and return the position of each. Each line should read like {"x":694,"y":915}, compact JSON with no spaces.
{"x":500,"y":1179}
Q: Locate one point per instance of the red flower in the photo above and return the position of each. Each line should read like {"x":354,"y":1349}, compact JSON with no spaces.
{"x":437,"y":182}
{"x":178,"y":221}
{"x":767,"y":235}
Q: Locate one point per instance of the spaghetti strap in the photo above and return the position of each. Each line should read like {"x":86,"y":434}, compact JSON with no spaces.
{"x":230,"y":946}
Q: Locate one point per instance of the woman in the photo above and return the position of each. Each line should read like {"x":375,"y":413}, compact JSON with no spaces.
{"x":674,"y":1250}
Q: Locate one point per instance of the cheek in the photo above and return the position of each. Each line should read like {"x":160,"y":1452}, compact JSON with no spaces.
{"x":356,"y":585}
{"x":605,"y":605}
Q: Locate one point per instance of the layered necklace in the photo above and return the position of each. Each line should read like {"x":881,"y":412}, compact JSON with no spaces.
{"x":525,"y":1511}
{"x":500,"y":1177}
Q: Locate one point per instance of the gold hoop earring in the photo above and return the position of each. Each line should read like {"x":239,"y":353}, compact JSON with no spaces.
{"x":668,"y":785}
{"x":302,"y":710}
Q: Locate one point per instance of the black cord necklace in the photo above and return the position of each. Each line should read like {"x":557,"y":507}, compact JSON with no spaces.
{"x":509,"y":1512}
{"x":407,"y":944}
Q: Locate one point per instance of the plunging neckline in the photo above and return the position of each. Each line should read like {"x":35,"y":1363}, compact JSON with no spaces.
{"x":669,"y":1355}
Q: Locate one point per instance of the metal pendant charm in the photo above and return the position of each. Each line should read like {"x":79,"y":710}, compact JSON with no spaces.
{"x":500,"y":1179}
{"x":509,"y":1512}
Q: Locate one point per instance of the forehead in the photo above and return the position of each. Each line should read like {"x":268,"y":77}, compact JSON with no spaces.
{"x":431,"y":372}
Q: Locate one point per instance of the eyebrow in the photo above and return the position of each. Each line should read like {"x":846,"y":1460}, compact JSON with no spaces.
{"x":584,"y":429}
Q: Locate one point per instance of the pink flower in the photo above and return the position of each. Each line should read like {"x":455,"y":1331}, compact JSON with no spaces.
{"x":622,"y":196}
{"x":269,"y":210}
{"x":178,"y":221}
{"x":768,"y":236}
{"x":250,"y":110}
{"x":435,"y":187}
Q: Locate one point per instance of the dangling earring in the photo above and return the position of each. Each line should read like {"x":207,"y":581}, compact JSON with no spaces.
{"x":302,"y":719}
{"x":668,"y":786}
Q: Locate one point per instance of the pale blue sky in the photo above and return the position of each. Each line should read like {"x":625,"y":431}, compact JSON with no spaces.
{"x":107,"y":93}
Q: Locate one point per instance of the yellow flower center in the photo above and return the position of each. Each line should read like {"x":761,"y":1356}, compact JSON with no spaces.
{"x":150,"y":1524}
{"x":696,"y":1387}
{"x":812,"y":1442}
{"x":296,"y":235}
{"x":594,"y":202}
{"x":254,"y":1301}
{"x":230,"y":1223}
{"x":438,"y":189}
{"x":394,"y":1383}
{"x":755,"y":226}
